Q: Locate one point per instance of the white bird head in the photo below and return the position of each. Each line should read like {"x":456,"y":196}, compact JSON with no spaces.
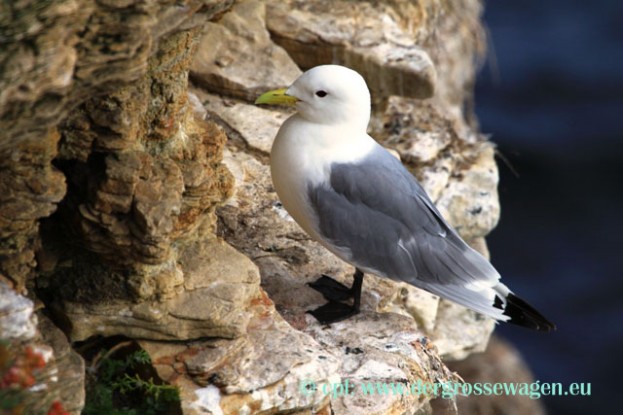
{"x":327,"y":94}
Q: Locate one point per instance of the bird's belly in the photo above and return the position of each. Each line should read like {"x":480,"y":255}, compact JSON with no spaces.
{"x":301,"y":158}
{"x":290,"y":178}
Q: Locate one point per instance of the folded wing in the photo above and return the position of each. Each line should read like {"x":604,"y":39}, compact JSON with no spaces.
{"x":378,"y":214}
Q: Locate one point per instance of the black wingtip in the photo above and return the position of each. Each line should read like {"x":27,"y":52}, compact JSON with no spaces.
{"x":523,"y":314}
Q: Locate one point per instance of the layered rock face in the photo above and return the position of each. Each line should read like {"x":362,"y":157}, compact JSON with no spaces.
{"x":136,"y":203}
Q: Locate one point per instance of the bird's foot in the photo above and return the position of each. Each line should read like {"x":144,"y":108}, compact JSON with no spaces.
{"x":331,"y":289}
{"x":333,"y":312}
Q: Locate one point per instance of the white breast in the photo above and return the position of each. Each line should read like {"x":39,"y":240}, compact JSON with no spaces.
{"x":302,"y":155}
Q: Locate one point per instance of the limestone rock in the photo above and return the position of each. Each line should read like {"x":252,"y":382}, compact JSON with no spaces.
{"x":38,"y":367}
{"x":461,"y":332}
{"x":134,"y":198}
{"x":57,"y":56}
{"x":236,"y":56}
{"x":470,"y":202}
{"x":138,"y":213}
{"x":248,"y":123}
{"x":380,"y":349}
{"x":258,"y":373}
{"x":218,"y":285}
{"x":416,"y":129}
{"x":30,"y":188}
{"x":405,"y":299}
{"x":458,"y":37}
{"x":277,"y":369}
{"x":69,"y":364}
{"x":145,"y":177}
{"x":17,"y":320}
{"x":500,"y":362}
{"x":374,"y":38}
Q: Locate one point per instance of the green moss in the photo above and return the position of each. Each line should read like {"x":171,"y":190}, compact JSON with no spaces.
{"x":126,"y":386}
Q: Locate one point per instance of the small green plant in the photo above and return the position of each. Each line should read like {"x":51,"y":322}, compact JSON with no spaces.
{"x":126,"y":386}
{"x":154,"y":393}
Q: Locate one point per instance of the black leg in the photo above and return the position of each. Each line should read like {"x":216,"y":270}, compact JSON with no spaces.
{"x":331,"y":289}
{"x":356,"y":288}
{"x":335,"y":292}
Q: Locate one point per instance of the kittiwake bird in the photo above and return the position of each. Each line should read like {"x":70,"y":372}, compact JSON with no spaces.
{"x":355,"y":198}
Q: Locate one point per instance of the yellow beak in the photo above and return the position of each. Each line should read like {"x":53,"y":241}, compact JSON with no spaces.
{"x":277,"y":96}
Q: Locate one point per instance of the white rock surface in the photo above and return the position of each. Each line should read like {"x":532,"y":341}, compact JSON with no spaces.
{"x":17,"y":319}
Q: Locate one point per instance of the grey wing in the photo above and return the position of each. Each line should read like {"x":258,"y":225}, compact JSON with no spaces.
{"x":377,"y":212}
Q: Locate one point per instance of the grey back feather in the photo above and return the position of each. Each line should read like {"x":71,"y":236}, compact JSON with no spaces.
{"x":379,"y":212}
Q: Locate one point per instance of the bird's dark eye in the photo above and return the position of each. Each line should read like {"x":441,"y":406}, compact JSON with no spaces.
{"x":321,"y":94}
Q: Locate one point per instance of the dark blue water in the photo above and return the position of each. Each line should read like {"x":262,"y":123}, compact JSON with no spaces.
{"x":553,"y":100}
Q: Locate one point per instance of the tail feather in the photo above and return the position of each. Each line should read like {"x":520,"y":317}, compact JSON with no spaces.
{"x":523,"y":314}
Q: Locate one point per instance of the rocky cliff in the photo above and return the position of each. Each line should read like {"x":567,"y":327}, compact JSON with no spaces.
{"x":137,"y":203}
